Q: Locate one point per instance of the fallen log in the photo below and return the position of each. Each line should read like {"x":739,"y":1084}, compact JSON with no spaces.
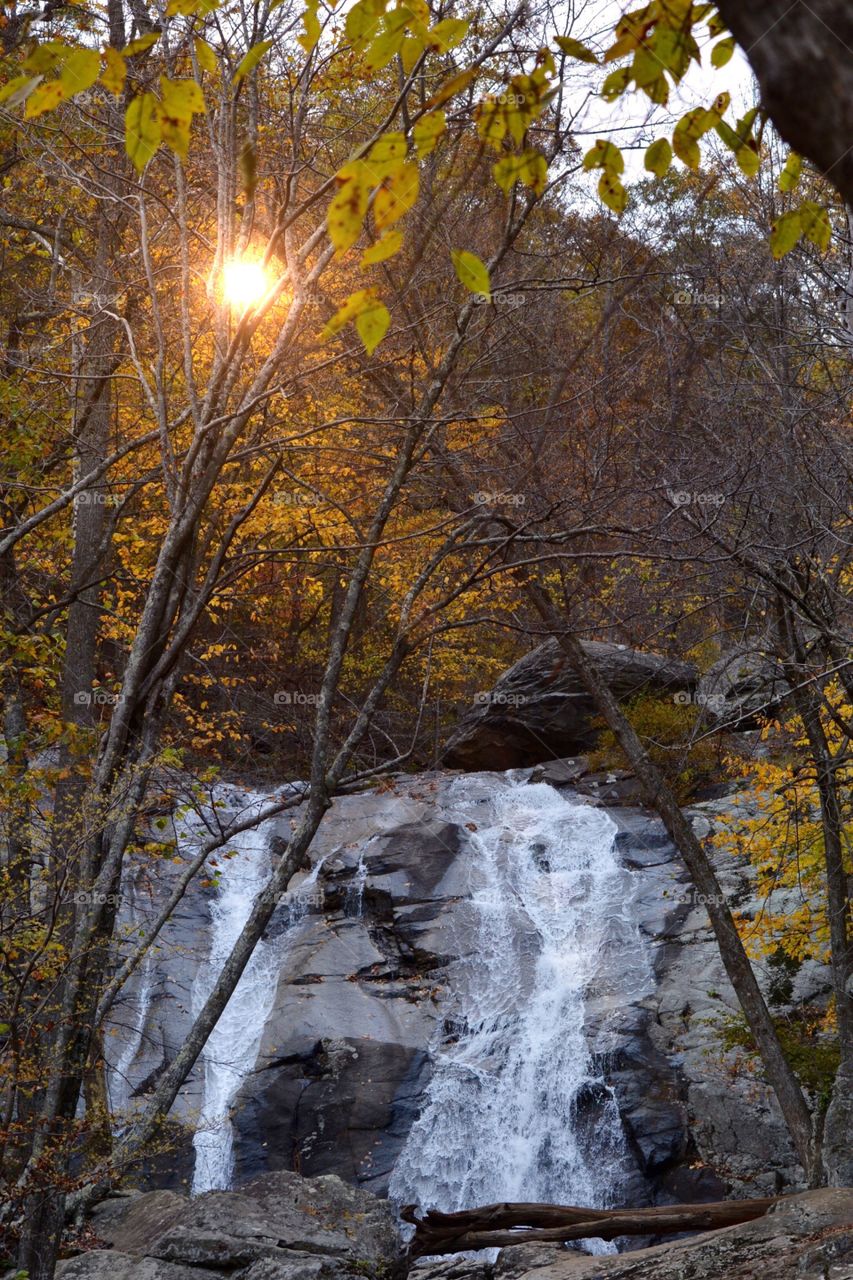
{"x":497,"y":1225}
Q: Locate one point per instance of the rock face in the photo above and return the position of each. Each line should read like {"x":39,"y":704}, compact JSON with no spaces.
{"x":278,"y":1227}
{"x":361,"y":990}
{"x":538,"y":709}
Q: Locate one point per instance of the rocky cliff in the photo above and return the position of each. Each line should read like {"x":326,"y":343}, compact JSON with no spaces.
{"x":359,"y":992}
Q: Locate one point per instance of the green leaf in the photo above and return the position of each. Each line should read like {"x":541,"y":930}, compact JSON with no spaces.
{"x":472,"y":272}
{"x":722,"y":51}
{"x":447,"y":34}
{"x":790,"y":176}
{"x":384,"y":248}
{"x":658,"y":157}
{"x":786,"y":233}
{"x":18,"y":89}
{"x":612,"y":191}
{"x":748,"y":160}
{"x":816,"y":225}
{"x":142,"y":130}
{"x":80,"y":71}
{"x":575,"y":49}
{"x":604,"y":155}
{"x":251,"y":59}
{"x":616,"y":84}
{"x":372,"y":325}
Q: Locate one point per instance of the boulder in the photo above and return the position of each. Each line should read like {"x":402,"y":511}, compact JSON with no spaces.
{"x":538,"y":709}
{"x":742,"y":684}
{"x":278,"y":1227}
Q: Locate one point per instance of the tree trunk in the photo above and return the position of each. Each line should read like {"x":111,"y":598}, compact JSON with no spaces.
{"x":800,"y":53}
{"x":497,"y":1225}
{"x":660,"y":797}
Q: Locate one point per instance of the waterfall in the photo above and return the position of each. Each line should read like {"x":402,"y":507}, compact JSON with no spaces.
{"x":232,"y":1047}
{"x":118,"y":1079}
{"x":503,"y":1117}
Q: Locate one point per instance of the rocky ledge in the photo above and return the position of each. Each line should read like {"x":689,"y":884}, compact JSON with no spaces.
{"x":284,"y":1227}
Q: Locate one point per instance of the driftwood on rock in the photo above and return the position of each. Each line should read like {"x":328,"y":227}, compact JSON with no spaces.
{"x":496,"y":1225}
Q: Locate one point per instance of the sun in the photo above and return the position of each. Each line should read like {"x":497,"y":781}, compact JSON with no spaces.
{"x":244,"y":283}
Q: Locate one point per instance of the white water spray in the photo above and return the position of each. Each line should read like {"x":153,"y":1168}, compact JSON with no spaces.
{"x":503,"y":1116}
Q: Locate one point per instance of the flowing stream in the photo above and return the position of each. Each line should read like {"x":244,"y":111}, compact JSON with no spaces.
{"x":516,"y":1108}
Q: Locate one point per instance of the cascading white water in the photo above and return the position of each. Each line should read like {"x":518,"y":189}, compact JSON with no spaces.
{"x":232,"y":1048}
{"x":501,"y":1120}
{"x":118,"y":1080}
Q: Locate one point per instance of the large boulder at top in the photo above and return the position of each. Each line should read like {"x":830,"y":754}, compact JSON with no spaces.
{"x":741,"y":685}
{"x":278,"y":1227}
{"x":538,"y":709}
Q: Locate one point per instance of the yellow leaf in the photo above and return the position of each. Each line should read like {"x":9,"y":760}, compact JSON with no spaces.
{"x":80,"y":71}
{"x":251,"y":59}
{"x":142,"y":129}
{"x":447,"y":34}
{"x":348,"y":206}
{"x":612,"y":192}
{"x":604,"y":155}
{"x":141,"y":44}
{"x":115,"y":71}
{"x":472,"y":272}
{"x":205,"y":55}
{"x":372,"y":325}
{"x":451,"y":87}
{"x":575,"y":49}
{"x":44,"y":98}
{"x":383,"y":249}
{"x":427,"y":132}
{"x":18,"y":89}
{"x":396,"y":196}
{"x":658,"y":157}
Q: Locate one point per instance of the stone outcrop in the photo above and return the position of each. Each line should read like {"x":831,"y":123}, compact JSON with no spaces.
{"x":277,"y":1227}
{"x":283,"y":1227}
{"x":538,"y":709}
{"x":361,"y":988}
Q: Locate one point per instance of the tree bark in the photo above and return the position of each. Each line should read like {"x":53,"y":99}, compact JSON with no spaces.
{"x":496,"y":1225}
{"x":801,"y":55}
